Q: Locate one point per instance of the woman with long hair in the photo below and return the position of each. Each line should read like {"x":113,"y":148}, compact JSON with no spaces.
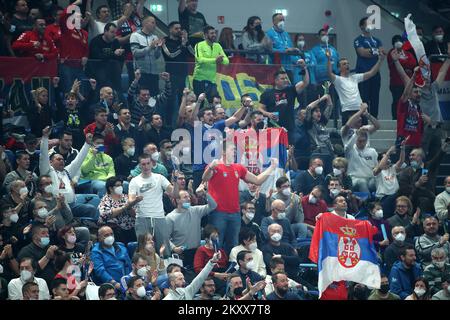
{"x":421,"y":290}
{"x":254,"y":38}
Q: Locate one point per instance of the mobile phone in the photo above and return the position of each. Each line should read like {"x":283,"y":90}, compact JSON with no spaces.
{"x":424,"y":172}
{"x":399,"y":141}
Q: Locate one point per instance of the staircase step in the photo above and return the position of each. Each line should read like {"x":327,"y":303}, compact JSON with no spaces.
{"x":383,"y":134}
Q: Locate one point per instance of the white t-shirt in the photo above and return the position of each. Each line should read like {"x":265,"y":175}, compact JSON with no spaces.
{"x":347,"y":89}
{"x":347,"y":216}
{"x":351,"y":132}
{"x":387,"y":183}
{"x":360,"y":162}
{"x":152,"y":189}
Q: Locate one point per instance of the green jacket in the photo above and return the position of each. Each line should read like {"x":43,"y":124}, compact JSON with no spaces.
{"x":205,"y":61}
{"x":98,"y":167}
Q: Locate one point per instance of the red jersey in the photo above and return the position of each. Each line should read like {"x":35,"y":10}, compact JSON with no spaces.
{"x":408,"y":63}
{"x":224,"y":187}
{"x":335,"y":291}
{"x":24,"y":45}
{"x":74,"y":43}
{"x":53,"y":31}
{"x":410,"y":122}
{"x":311,"y":210}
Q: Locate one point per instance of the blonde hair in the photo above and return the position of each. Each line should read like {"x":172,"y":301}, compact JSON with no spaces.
{"x":340,"y":162}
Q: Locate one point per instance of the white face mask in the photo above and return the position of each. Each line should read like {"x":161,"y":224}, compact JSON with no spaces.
{"x":335,"y":192}
{"x":419,"y":291}
{"x":250,"y":215}
{"x":48,"y":189}
{"x":131,"y":151}
{"x":447,"y":189}
{"x":286,"y":192}
{"x":398,"y":45}
{"x":155,"y":156}
{"x":141,"y":292}
{"x":14,"y":218}
{"x":71,"y":239}
{"x":142,"y":272}
{"x":439,"y":37}
{"x":251,"y":265}
{"x":42,"y":213}
{"x":281,"y":25}
{"x":400,"y":237}
{"x":337,"y":172}
{"x":324,"y":39}
{"x":109,"y":241}
{"x":318,"y":170}
{"x":253,"y":246}
{"x":169,"y":154}
{"x":1,"y":269}
{"x":23,"y":191}
{"x":25,"y":275}
{"x":439,"y":264}
{"x":378,"y":214}
{"x":118,"y":190}
{"x":312,"y":199}
{"x":301,"y":44}
{"x":281,"y":215}
{"x":276,"y":237}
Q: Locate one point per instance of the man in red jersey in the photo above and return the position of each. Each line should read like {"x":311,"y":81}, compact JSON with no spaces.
{"x":35,"y":44}
{"x":223,"y":185}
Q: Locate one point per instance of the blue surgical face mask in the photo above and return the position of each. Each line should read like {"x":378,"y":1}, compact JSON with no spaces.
{"x":186,"y":205}
{"x":45,"y":241}
{"x":414,"y":164}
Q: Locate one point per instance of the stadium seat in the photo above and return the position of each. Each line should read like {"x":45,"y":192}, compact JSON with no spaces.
{"x":362,"y":195}
{"x":131,"y":247}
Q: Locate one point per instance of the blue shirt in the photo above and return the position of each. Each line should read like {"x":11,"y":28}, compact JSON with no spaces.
{"x":219,"y":125}
{"x":289,"y":296}
{"x":321,"y":69}
{"x":365,"y":64}
{"x":280,"y":42}
{"x":310,"y":62}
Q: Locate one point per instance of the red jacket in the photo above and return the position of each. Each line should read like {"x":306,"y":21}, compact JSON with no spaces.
{"x":312,"y":210}
{"x":203,"y":255}
{"x":110,"y":139}
{"x":408,"y":63}
{"x":25,"y":48}
{"x":74,"y":43}
{"x":53,"y":31}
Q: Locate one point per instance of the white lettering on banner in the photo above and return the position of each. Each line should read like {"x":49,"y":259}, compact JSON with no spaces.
{"x":444,"y":92}
{"x":74,"y":20}
{"x":374,"y":21}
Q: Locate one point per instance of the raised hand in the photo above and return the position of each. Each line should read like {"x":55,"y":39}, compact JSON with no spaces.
{"x":137,"y":74}
{"x":165,"y":76}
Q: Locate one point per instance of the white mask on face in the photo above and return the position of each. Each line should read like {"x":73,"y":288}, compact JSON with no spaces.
{"x":324,"y":39}
{"x":312,"y":199}
{"x":250,"y":215}
{"x":155,"y":156}
{"x":14,"y":218}
{"x":25,"y":275}
{"x":251,"y":265}
{"x":335,"y":192}
{"x":141,"y":292}
{"x":400,"y":237}
{"x":439,"y":37}
{"x":439,"y":264}
{"x":109,"y":241}
{"x":286,"y":192}
{"x":253,"y":246}
{"x":281,"y":215}
{"x":337,"y":172}
{"x":131,"y":151}
{"x":23,"y":190}
{"x":118,"y":190}
{"x":318,"y":170}
{"x":71,"y":239}
{"x":276,"y":237}
{"x":301,"y":44}
{"x":280,"y":25}
{"x":142,"y":272}
{"x":42,"y":213}
{"x":419,"y":291}
{"x":48,"y":189}
{"x":398,"y":45}
{"x":378,"y":214}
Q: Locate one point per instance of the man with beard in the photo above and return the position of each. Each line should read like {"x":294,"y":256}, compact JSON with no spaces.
{"x":281,"y":285}
{"x":430,"y":240}
{"x":208,"y":54}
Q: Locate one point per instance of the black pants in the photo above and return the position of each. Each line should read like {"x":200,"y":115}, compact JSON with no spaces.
{"x":188,"y":258}
{"x":347,"y":115}
{"x":396,"y":92}
{"x":207,"y":87}
{"x":197,"y":178}
{"x":178,"y":85}
{"x":108,"y":74}
{"x":150,"y":82}
{"x":370,"y":93}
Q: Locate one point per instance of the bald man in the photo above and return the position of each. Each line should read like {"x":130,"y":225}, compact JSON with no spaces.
{"x":278,"y":215}
{"x":110,"y":258}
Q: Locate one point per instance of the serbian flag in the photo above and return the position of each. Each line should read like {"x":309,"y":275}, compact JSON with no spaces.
{"x":344,"y":250}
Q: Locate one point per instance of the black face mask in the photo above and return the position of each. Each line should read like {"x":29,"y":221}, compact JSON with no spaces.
{"x":384,"y":288}
{"x":258,"y":28}
{"x":238,"y":291}
{"x":260,"y":126}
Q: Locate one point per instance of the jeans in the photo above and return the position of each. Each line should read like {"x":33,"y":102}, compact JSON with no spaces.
{"x":98,"y":187}
{"x":68,"y":75}
{"x":370,"y":93}
{"x":229,"y":225}
{"x":158,"y":228}
{"x":178,"y":85}
{"x":207,"y":87}
{"x":85,"y":206}
{"x":364,"y":184}
{"x":396,"y":92}
{"x":300,"y":230}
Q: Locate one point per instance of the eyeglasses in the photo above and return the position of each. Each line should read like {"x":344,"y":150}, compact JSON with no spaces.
{"x":401,"y":206}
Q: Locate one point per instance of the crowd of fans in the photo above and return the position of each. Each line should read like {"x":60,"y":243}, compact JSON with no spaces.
{"x":97,"y":203}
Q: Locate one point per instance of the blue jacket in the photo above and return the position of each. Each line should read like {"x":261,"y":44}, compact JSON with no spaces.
{"x":109,"y":266}
{"x":400,"y":281}
{"x":310,"y":62}
{"x":321,"y":60}
{"x":288,"y":233}
{"x":280,"y":42}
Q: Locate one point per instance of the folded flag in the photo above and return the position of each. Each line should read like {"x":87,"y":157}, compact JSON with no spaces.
{"x":344,"y":250}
